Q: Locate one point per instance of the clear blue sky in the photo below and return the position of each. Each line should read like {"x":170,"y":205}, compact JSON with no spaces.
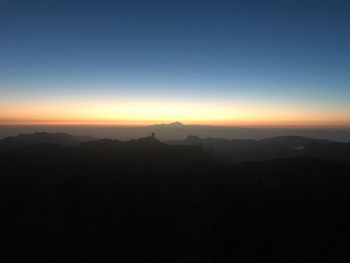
{"x":287,"y":55}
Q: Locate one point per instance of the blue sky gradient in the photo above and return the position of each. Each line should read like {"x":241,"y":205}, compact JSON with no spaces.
{"x":291,"y":54}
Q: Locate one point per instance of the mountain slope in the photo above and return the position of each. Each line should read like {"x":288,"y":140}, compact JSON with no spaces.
{"x":145,"y":201}
{"x":270,"y":148}
{"x":42,"y":137}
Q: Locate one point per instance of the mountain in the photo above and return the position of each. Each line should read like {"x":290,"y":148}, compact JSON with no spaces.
{"x":42,"y":137}
{"x":294,"y":141}
{"x":178,"y":131}
{"x":142,"y":150}
{"x":146,"y":201}
{"x":173,"y":124}
{"x":270,"y":148}
{"x":219,"y":148}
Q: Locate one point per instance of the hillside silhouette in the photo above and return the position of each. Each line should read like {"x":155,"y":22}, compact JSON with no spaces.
{"x":147,"y":201}
{"x":42,"y":137}
{"x":270,"y":148}
{"x":179,"y":131}
{"x":218,"y":148}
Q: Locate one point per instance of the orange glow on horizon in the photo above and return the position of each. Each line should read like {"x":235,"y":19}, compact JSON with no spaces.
{"x":140,"y":113}
{"x":257,"y":124}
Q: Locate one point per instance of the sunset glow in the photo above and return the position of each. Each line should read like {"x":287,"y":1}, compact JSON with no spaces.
{"x":214,"y":65}
{"x":145,"y":113}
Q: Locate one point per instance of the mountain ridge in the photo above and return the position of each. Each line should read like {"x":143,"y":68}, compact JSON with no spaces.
{"x":238,"y":150}
{"x":220,"y":149}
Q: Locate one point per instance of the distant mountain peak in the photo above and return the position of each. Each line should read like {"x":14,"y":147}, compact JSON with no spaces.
{"x":172,"y":124}
{"x":176,"y":123}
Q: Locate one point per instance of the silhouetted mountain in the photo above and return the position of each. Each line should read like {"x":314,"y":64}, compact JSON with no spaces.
{"x":271,"y":148}
{"x":294,"y":141}
{"x":141,"y":150}
{"x":42,"y":137}
{"x":146,"y":201}
{"x":177,"y":131}
{"x":173,"y":124}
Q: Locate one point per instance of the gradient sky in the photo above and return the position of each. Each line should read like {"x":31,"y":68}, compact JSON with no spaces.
{"x":138,"y":62}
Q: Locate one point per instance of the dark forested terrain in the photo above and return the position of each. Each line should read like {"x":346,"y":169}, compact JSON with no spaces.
{"x":146,"y":201}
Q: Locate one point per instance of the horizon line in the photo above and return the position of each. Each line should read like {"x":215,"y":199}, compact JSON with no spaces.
{"x":296,"y":124}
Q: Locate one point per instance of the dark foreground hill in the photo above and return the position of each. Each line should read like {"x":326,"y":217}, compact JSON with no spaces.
{"x":42,"y":137}
{"x":269,"y":149}
{"x":220,"y":149}
{"x":177,"y":131}
{"x":145,"y":201}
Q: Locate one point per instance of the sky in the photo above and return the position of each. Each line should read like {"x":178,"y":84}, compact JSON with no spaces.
{"x":245,"y":63}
